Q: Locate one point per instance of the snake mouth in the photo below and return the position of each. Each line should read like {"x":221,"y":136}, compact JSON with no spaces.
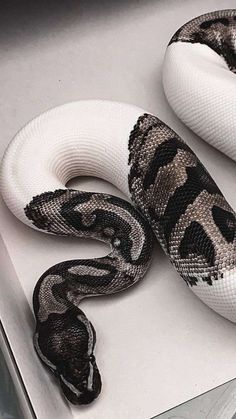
{"x":85,"y":392}
{"x":81,"y":386}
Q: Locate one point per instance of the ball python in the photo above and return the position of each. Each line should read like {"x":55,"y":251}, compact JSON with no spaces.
{"x":173,"y":198}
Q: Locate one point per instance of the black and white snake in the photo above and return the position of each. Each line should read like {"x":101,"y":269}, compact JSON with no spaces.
{"x":174,"y":195}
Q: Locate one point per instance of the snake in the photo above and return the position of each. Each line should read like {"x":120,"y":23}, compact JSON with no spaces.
{"x":170,"y":196}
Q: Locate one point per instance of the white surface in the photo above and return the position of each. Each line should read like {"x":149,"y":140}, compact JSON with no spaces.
{"x":80,"y":138}
{"x":158,"y":345}
{"x":202,"y":91}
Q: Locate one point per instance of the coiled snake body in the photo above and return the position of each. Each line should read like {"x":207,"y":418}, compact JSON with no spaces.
{"x":174,"y":195}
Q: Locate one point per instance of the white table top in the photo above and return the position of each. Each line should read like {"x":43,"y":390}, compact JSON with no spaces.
{"x":157,"y":344}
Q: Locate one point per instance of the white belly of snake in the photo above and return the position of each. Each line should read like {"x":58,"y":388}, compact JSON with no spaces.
{"x":199,"y":77}
{"x":175,"y":198}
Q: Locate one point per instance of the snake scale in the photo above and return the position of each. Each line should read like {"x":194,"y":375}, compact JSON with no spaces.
{"x":174,"y":197}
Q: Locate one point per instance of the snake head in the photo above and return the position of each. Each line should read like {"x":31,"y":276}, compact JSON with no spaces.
{"x":78,"y":374}
{"x":65,"y":344}
{"x":80,"y":380}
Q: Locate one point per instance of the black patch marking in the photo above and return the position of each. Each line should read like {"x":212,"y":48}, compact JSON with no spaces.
{"x":198,"y":180}
{"x":208,"y":23}
{"x":196,"y":241}
{"x":164,"y":154}
{"x":226,"y":223}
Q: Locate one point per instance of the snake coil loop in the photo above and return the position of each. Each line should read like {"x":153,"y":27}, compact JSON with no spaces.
{"x":174,"y":197}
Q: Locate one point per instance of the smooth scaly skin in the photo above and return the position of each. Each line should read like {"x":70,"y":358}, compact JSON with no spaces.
{"x":199,"y":77}
{"x":64,"y":338}
{"x":188,"y":213}
{"x":217,"y":30}
{"x":186,"y":210}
